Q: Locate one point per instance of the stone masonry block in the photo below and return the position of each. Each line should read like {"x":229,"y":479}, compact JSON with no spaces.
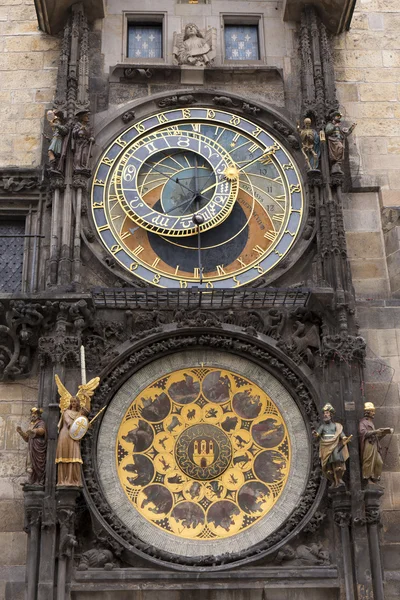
{"x":6,"y":489}
{"x":359,"y":58}
{"x":392,"y":238}
{"x":11,"y":515}
{"x":374,"y":145}
{"x":382,"y":393}
{"x":377,"y":92}
{"x":387,"y":127}
{"x":376,"y":21}
{"x":370,"y":317}
{"x":395,"y":481}
{"x":13,"y":546}
{"x":348,"y":92}
{"x":383,"y":342}
{"x":15,"y":61}
{"x":364,"y":245}
{"x":350,"y":74}
{"x":391,"y":58}
{"x":386,"y":74}
{"x":359,"y":21}
{"x":368,"y":268}
{"x":393,"y":145}
{"x":394,"y":363}
{"x":371,"y":288}
{"x":394,"y":180}
{"x":10,"y":392}
{"x":13,"y":440}
{"x":371,"y":110}
{"x":390,"y":557}
{"x":361,"y":201}
{"x":393,"y":263}
{"x":390,"y":451}
{"x":12,"y":464}
{"x":362,"y":220}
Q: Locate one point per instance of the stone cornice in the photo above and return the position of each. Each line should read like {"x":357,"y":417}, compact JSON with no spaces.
{"x":335,"y":14}
{"x":52,"y":14}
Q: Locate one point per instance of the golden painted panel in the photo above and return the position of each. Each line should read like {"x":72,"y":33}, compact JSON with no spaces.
{"x":203,"y":453}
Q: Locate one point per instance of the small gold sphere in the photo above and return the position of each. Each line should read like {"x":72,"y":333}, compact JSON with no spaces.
{"x":231,"y":173}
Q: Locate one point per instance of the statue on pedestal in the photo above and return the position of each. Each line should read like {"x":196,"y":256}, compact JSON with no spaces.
{"x":370,"y":447}
{"x":336,"y":136}
{"x":193,"y":47}
{"x":36,"y":436}
{"x":59,"y":141}
{"x":72,"y":427}
{"x":333,"y":449}
{"x":82,"y":141}
{"x":310,"y":145}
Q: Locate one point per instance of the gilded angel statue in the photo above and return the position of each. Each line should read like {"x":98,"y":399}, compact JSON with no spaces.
{"x":194,"y":47}
{"x":72,"y":427}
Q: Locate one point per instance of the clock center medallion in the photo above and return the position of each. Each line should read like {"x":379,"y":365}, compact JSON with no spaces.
{"x":190,"y":189}
{"x":203,"y":451}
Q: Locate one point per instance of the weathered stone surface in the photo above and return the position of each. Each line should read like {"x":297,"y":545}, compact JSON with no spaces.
{"x":391,"y":526}
{"x":11,"y":515}
{"x":378,"y":318}
{"x":368,"y":268}
{"x":362,"y":220}
{"x":13,"y":546}
{"x":364,"y":245}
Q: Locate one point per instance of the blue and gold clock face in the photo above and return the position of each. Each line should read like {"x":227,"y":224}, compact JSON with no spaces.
{"x":197,"y":197}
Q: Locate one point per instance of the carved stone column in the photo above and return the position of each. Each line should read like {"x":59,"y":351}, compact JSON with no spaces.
{"x":79,"y":183}
{"x":33,"y":499}
{"x":66,"y":497}
{"x":57,"y":187}
{"x":372,"y":497}
{"x":341,"y":504}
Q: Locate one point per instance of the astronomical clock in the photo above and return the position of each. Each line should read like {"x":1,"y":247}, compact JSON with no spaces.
{"x":203,"y":454}
{"x":197,"y":197}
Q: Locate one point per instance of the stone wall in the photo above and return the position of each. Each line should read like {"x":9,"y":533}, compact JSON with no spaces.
{"x":28,"y":68}
{"x":367,"y":66}
{"x":16,"y":399}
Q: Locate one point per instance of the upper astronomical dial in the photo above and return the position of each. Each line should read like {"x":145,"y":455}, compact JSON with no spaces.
{"x":197,"y":197}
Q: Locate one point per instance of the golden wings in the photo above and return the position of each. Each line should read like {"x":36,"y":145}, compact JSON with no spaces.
{"x":85,"y":392}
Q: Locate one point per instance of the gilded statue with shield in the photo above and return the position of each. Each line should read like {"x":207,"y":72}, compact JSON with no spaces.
{"x":72,"y":427}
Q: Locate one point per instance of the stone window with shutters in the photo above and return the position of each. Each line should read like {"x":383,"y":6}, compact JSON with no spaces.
{"x":243,"y":39}
{"x":145,"y":39}
{"x":12,"y":238}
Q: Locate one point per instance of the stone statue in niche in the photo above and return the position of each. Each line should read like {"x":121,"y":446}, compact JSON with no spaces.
{"x":194,"y":47}
{"x":72,"y":426}
{"x":82,"y":141}
{"x":58,"y":141}
{"x":336,"y":136}
{"x":333,"y":449}
{"x":36,"y":436}
{"x":370,"y":447}
{"x":310,"y":145}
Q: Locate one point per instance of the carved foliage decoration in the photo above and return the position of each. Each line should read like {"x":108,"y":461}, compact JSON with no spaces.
{"x":317,"y":75}
{"x":222,"y":341}
{"x":53,"y":327}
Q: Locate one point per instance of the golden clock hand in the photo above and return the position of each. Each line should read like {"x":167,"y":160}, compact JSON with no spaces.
{"x":234,"y":171}
{"x":268,"y":152}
